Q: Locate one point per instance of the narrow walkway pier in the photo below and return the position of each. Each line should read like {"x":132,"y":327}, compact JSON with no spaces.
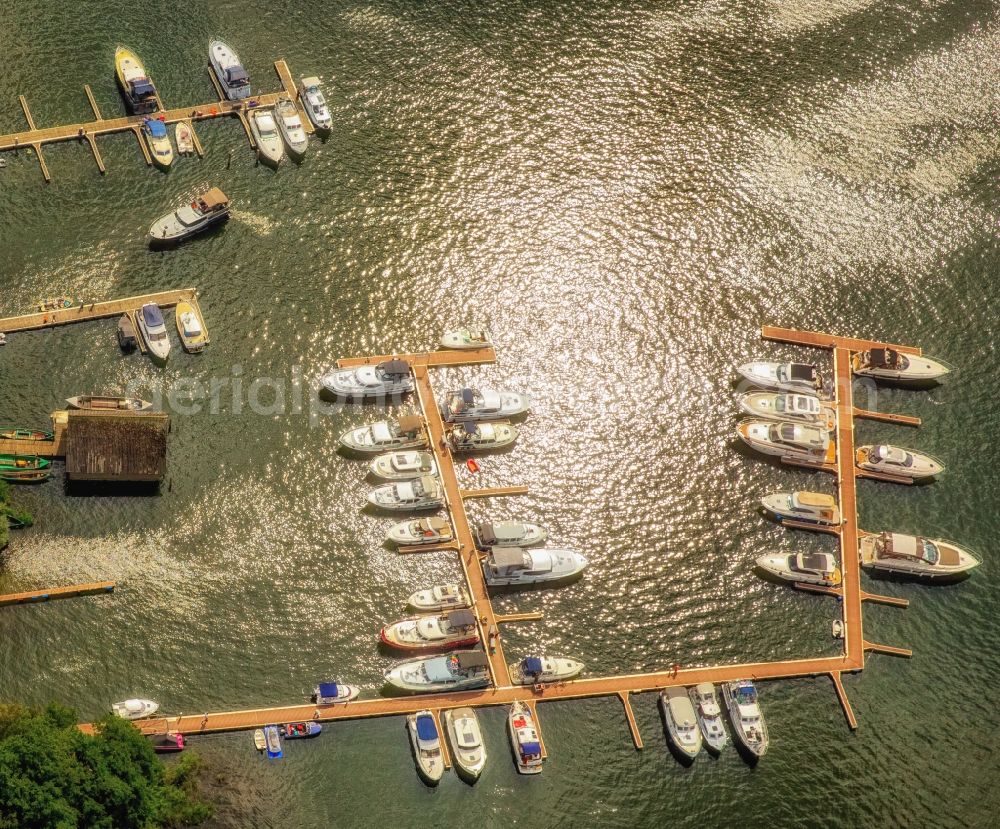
{"x":72,"y":591}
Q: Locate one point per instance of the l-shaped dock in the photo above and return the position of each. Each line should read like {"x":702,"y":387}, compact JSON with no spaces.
{"x":501,"y":691}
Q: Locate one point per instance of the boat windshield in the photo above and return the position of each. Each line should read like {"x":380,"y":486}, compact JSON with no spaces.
{"x":929,"y":552}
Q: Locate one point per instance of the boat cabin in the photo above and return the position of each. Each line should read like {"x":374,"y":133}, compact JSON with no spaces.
{"x":791,"y":434}
{"x":211,"y":202}
{"x":798,"y":373}
{"x":886,"y":358}
{"x":237,"y":76}
{"x":394,"y":369}
{"x":915,"y":549}
{"x":326,"y":693}
{"x":816,"y":563}
{"x":433,"y":527}
{"x":507,"y":561}
{"x":410,"y":425}
{"x":890,"y":454}
{"x":470,"y":661}
{"x":461,"y":620}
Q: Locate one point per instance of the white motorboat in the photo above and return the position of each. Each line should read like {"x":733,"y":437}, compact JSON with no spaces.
{"x":184,"y":137}
{"x":800,"y":377}
{"x":459,"y":671}
{"x":802,"y":568}
{"x":466,"y":738}
{"x":904,"y":463}
{"x":467,"y":338}
{"x":406,"y":433}
{"x":535,"y":669}
{"x":205,"y":210}
{"x":513,"y":566}
{"x":746,"y":717}
{"x":233,"y":78}
{"x":314,"y":103}
{"x":440,"y":597}
{"x":426,"y":746}
{"x":291,"y":128}
{"x":441,"y":631}
{"x":421,"y":531}
{"x":483,"y":404}
{"x":682,"y":722}
{"x":135,"y":709}
{"x":480,"y":437}
{"x":706,"y":707}
{"x":778,"y":405}
{"x":403,"y":466}
{"x":914,"y":555}
{"x":524,"y":739}
{"x":270,"y":150}
{"x":154,"y":332}
{"x":330,"y":693}
{"x":154,"y":133}
{"x":889,"y":364}
{"x":391,"y":378}
{"x":810,"y":507}
{"x":508,"y":534}
{"x":425,"y":492}
{"x":788,"y":440}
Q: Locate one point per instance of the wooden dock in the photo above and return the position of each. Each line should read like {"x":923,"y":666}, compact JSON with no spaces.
{"x":502,"y":692}
{"x":428,"y":359}
{"x":35,"y":137}
{"x":72,"y":591}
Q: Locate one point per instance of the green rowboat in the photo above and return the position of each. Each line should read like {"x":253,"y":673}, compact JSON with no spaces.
{"x":25,"y":434}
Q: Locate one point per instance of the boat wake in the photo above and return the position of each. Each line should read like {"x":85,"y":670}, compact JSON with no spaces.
{"x":261,"y":224}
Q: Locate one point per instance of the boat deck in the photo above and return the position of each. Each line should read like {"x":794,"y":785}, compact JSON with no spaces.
{"x":852,"y":659}
{"x":88,"y":131}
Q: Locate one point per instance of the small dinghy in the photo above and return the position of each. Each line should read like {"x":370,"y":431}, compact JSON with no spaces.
{"x":837,"y":629}
{"x":466,"y":738}
{"x":189,"y":329}
{"x":184,"y":138}
{"x":480,"y":437}
{"x":56,"y":303}
{"x":135,"y":709}
{"x":466,"y":338}
{"x":421,"y":531}
{"x":259,"y":740}
{"x":903,"y":463}
{"x":127,"y":341}
{"x":329,"y":693}
{"x":524,"y":739}
{"x":403,"y":466}
{"x":97,"y":401}
{"x":23,"y":468}
{"x":169,"y":743}
{"x":535,"y":669}
{"x":25,"y":434}
{"x":272,"y":739}
{"x":440,"y":597}
{"x":300,"y":730}
{"x":426,"y":742}
{"x":453,"y":629}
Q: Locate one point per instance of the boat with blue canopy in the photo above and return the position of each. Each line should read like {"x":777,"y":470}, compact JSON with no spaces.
{"x":327,"y":693}
{"x":524,"y":739}
{"x":426,"y":743}
{"x":154,"y":332}
{"x":161,"y":151}
{"x":272,"y":739}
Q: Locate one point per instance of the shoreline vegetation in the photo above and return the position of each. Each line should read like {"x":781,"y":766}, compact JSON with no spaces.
{"x":52,"y":774}
{"x":10,"y":517}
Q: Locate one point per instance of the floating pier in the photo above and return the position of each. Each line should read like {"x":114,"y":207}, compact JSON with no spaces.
{"x":88,"y":131}
{"x":501,"y":691}
{"x":72,"y":591}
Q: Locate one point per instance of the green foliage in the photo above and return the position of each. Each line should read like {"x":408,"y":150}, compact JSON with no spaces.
{"x":54,"y":775}
{"x":15,"y":516}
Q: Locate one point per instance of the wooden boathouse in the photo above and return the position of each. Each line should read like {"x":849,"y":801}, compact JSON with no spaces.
{"x":118,"y":447}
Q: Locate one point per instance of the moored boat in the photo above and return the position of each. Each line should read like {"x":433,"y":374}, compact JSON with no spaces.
{"x":126,"y":334}
{"x":193,"y":337}
{"x":154,"y":133}
{"x":469,"y":436}
{"x":809,"y":507}
{"x":524,"y":739}
{"x":135,"y":83}
{"x":467,"y":338}
{"x":406,"y":433}
{"x":13,"y":465}
{"x":135,"y":709}
{"x":802,"y":568}
{"x":425,"y":492}
{"x":682,"y":723}
{"x":388,"y":379}
{"x":442,"y":631}
{"x":169,"y":743}
{"x":201,"y":213}
{"x":459,"y":671}
{"x":272,"y":740}
{"x":513,"y":566}
{"x":270,"y":150}
{"x":890,"y":364}
{"x":483,"y":404}
{"x":292,"y":132}
{"x":233,"y":78}
{"x":746,"y":717}
{"x":806,"y":408}
{"x":97,"y":401}
{"x":300,"y":730}
{"x":535,"y":669}
{"x":154,"y":332}
{"x":403,"y":466}
{"x":329,"y":693}
{"x":796,"y":377}
{"x":794,"y":441}
{"x":466,"y":738}
{"x":426,"y":742}
{"x":508,"y":534}
{"x":314,"y":103}
{"x":706,"y":705}
{"x":25,"y":434}
{"x":440,"y":597}
{"x":903,"y":463}
{"x":421,"y":531}
{"x":911,"y":555}
{"x":259,"y":740}
{"x":184,"y":138}
{"x":57,"y":303}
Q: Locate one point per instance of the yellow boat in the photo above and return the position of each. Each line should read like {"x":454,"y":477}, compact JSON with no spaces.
{"x":190,"y":329}
{"x":154,"y":133}
{"x":138,"y":89}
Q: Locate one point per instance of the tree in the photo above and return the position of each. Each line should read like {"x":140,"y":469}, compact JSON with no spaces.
{"x":52,"y":775}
